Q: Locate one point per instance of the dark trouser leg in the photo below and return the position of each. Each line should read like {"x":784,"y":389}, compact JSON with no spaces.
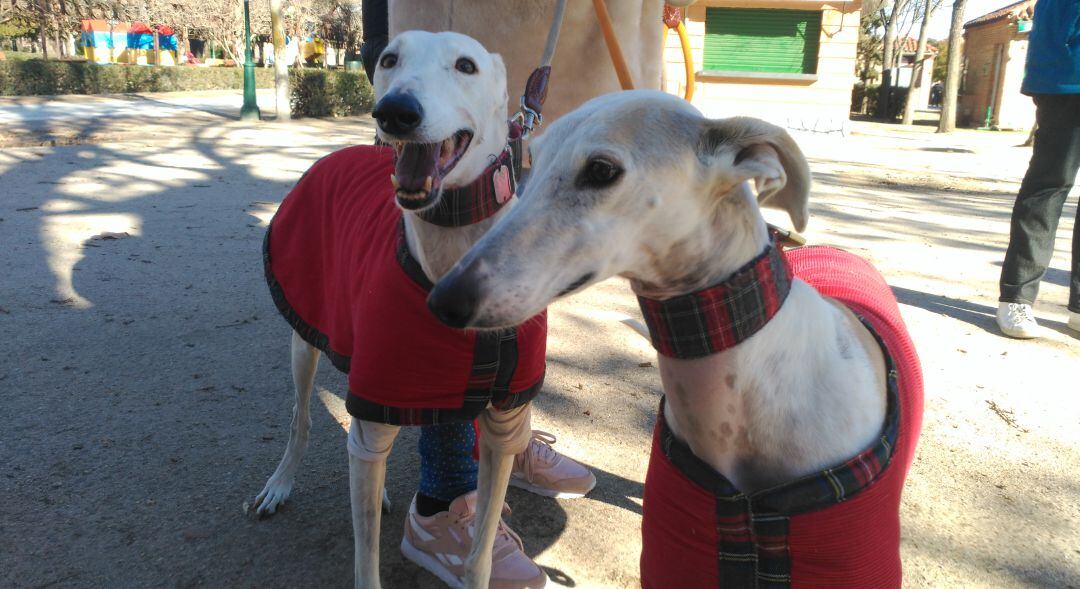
{"x":369,"y":54}
{"x":376,"y":22}
{"x":1046,"y":185}
{"x":1074,"y":280}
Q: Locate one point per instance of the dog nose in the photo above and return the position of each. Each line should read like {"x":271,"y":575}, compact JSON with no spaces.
{"x":398,"y":113}
{"x":454,"y":299}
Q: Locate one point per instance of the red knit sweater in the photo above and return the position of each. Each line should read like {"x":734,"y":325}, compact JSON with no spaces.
{"x":339,"y":271}
{"x":838,"y":529}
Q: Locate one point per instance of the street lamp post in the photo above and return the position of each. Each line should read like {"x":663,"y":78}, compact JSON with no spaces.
{"x":250,"y":110}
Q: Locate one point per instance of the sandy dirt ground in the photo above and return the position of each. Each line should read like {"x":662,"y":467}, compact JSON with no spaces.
{"x":147,"y":393}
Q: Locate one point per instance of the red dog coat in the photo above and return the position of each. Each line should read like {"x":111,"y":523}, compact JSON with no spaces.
{"x":836,"y":529}
{"x":339,"y":271}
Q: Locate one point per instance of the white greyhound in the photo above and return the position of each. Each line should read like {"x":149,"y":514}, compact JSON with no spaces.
{"x":766,"y":396}
{"x":441,"y":104}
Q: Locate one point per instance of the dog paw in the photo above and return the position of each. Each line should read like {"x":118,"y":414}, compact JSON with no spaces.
{"x":272,"y":496}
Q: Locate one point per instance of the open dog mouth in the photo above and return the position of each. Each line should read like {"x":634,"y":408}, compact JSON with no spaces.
{"x":420,"y":168}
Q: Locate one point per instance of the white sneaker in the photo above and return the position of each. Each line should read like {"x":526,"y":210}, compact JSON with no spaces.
{"x":1017,"y":320}
{"x":1074,"y":320}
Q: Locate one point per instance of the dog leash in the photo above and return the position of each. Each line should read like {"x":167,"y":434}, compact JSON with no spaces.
{"x":532,"y":101}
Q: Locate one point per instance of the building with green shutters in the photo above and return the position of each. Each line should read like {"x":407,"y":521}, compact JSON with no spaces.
{"x":791,"y":62}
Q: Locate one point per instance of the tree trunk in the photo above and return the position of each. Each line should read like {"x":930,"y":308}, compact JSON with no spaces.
{"x":281,"y":69}
{"x":183,"y":44}
{"x":952,"y":78}
{"x":917,"y":67}
{"x":41,"y":29}
{"x":887,"y":59}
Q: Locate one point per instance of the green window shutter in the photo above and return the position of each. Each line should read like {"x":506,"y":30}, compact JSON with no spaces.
{"x":762,"y":40}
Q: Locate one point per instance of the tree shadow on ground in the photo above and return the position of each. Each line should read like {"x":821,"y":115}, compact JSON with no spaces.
{"x":981,"y":316}
{"x":153,"y":370}
{"x":947,"y":149}
{"x":1053,"y":275}
{"x":939,"y":536}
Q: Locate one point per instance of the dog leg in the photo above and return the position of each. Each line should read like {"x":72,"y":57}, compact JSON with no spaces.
{"x":503,"y":434}
{"x":369,"y":445}
{"x":305,"y":359}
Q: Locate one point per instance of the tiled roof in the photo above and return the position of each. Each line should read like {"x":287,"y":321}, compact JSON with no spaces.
{"x":908,"y":45}
{"x":1000,"y":13}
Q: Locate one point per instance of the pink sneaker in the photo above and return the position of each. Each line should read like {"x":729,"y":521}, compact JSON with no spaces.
{"x":542,"y":470}
{"x":441,"y":543}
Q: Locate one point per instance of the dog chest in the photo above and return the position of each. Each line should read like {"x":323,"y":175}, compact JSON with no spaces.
{"x":838,"y":528}
{"x":340,"y":272}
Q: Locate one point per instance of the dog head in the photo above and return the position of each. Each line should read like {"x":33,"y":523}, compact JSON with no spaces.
{"x":638,"y":184}
{"x":441,"y":104}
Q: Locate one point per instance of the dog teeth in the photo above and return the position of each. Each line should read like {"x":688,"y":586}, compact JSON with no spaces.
{"x":427,"y":184}
{"x":394,"y":181}
{"x":403,"y":195}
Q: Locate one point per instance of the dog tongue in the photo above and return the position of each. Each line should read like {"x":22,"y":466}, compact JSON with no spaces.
{"x":415,"y":163}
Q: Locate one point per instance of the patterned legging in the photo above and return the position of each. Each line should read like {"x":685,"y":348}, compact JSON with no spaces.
{"x":447,"y":467}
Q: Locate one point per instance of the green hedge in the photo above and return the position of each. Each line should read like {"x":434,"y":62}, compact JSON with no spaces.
{"x":315,"y":92}
{"x":329,"y":93}
{"x":864,"y":99}
{"x":41,"y":77}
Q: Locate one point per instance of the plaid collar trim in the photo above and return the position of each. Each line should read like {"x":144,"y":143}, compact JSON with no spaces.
{"x":723,"y":315}
{"x":480,"y":200}
{"x":812,"y":492}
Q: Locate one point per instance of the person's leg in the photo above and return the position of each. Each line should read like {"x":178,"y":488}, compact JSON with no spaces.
{"x":376,"y":20}
{"x":439,"y":527}
{"x":1073,"y":157}
{"x":447,"y":467}
{"x":1074,"y":282}
{"x":1046,"y":185}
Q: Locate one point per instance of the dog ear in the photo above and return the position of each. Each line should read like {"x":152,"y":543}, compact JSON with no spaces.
{"x":765,"y":153}
{"x":500,"y":76}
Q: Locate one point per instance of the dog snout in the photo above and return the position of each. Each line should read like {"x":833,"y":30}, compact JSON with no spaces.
{"x":456,"y":297}
{"x":398,"y":113}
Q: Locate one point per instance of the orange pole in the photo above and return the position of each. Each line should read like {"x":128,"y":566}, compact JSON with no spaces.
{"x":688,"y":57}
{"x":688,"y":61}
{"x":621,"y":70}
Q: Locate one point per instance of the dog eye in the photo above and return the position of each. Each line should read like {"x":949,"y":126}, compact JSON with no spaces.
{"x":388,"y":60}
{"x":600,"y":173}
{"x":465,"y":66}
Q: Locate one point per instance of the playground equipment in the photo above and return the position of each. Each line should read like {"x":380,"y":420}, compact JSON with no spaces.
{"x":117,"y":42}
